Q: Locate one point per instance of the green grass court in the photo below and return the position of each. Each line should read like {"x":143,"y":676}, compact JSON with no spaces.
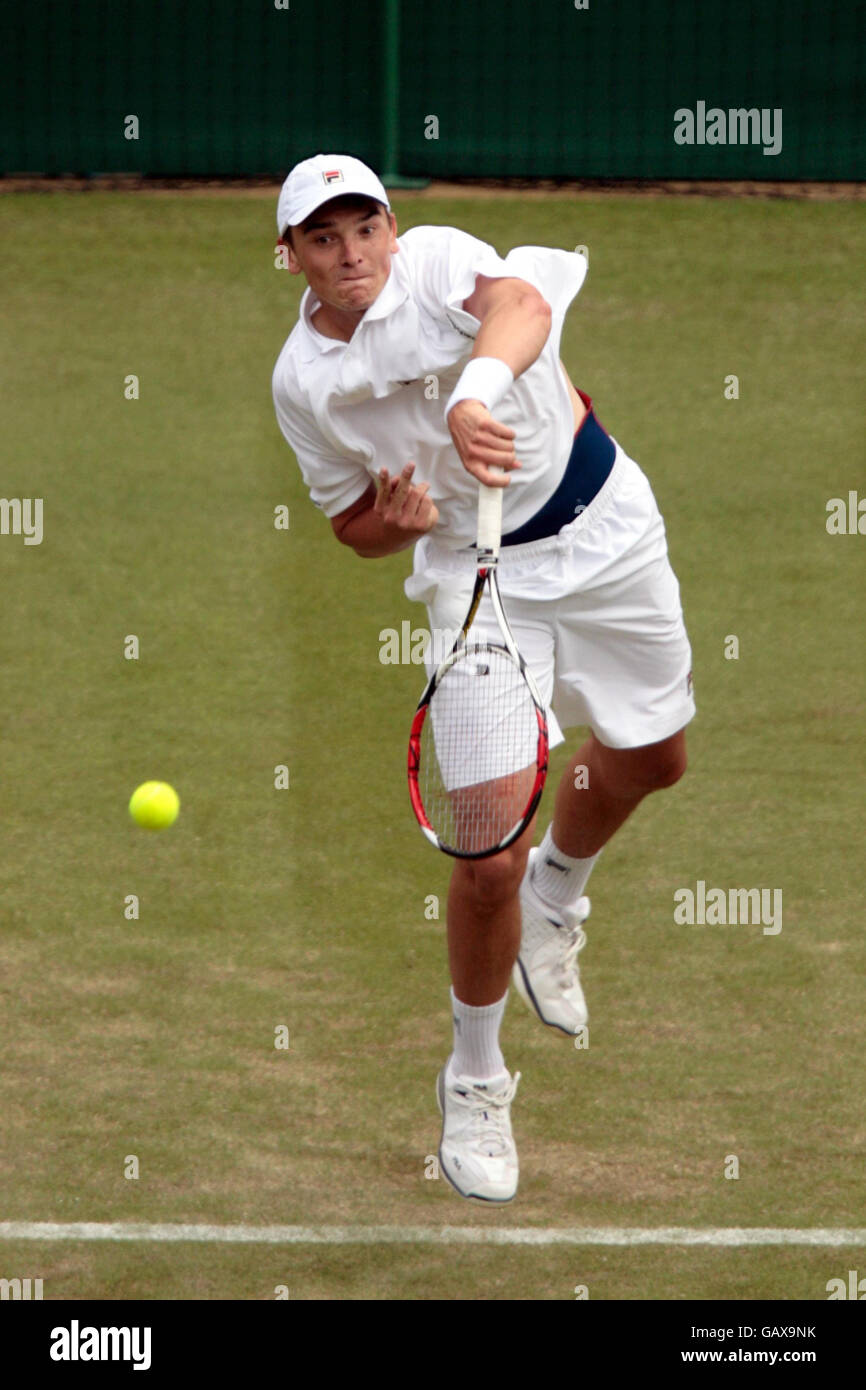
{"x":306,"y":907}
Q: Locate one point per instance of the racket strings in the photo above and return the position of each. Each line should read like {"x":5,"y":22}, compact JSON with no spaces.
{"x":479,"y":750}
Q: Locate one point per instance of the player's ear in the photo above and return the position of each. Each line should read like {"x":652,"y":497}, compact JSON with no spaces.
{"x":392,"y":221}
{"x":293,"y":264}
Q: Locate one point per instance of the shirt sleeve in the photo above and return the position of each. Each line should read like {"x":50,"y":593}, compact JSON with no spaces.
{"x":446,"y":262}
{"x":450,"y":260}
{"x":334,"y":483}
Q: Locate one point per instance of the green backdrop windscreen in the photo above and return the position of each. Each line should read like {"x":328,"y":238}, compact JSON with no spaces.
{"x":483,"y":89}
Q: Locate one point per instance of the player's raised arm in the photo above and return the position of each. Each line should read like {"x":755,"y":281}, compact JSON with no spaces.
{"x":515,"y":323}
{"x":392,"y":515}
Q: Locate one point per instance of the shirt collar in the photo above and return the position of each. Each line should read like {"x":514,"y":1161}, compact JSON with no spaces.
{"x":392,"y":294}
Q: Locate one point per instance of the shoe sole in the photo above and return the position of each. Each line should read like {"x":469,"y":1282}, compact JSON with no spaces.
{"x":469,"y":1196}
{"x":530,"y":1000}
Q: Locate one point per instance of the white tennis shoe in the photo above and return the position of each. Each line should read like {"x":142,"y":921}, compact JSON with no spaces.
{"x":546,"y":973}
{"x":477,"y":1153}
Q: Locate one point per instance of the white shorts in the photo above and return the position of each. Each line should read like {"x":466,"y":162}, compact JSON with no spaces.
{"x":595,"y":610}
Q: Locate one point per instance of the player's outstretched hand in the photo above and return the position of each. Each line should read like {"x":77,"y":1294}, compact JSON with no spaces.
{"x":402,"y":503}
{"x":485,"y":446}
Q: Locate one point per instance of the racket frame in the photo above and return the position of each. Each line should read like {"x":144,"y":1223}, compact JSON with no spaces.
{"x":488,"y":539}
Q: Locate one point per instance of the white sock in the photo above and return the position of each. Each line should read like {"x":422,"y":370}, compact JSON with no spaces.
{"x":476,"y":1040}
{"x":558,"y":878}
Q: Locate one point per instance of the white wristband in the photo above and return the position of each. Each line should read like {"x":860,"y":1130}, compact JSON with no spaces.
{"x":485,"y":379}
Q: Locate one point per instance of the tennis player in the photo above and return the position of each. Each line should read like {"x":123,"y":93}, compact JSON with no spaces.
{"x":420,"y":366}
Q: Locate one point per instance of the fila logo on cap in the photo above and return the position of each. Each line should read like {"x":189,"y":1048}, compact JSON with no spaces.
{"x":314,"y":181}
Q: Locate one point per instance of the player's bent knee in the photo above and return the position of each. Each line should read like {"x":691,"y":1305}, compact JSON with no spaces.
{"x":495,"y":881}
{"x":650,"y":769}
{"x":668,"y":771}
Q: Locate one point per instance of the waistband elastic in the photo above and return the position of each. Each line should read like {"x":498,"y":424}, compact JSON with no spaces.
{"x":588,"y":468}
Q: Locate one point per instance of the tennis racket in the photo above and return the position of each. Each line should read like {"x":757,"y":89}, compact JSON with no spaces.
{"x":478,"y":746}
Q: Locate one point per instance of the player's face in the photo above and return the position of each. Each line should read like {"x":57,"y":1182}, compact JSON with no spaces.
{"x":345,"y":254}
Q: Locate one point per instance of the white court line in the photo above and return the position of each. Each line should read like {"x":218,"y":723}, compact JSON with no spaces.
{"x":427,"y":1235}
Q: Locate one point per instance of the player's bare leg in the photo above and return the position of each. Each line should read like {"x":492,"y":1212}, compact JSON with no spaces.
{"x":474,"y":1090}
{"x":597,"y":793}
{"x":484,"y":922}
{"x":602,"y":786}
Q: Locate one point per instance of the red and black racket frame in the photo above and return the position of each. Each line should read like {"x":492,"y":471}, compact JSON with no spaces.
{"x":484,"y":574}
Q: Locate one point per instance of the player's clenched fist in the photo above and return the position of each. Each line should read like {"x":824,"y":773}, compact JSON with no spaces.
{"x":402,"y":503}
{"x":485,"y":447}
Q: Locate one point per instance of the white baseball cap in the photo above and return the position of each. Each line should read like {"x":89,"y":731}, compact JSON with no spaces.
{"x":318,"y":180}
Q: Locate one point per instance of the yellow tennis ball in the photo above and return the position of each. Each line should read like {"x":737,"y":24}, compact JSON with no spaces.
{"x":154,"y":805}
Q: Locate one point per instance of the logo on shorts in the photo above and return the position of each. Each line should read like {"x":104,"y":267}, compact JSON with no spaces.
{"x":690,"y":685}
{"x":332,"y":175}
{"x":579,"y":507}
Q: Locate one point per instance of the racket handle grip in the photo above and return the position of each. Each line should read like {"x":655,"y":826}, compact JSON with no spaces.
{"x":489,"y":520}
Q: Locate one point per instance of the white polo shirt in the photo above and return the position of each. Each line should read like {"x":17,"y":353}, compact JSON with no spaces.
{"x":349,"y":409}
